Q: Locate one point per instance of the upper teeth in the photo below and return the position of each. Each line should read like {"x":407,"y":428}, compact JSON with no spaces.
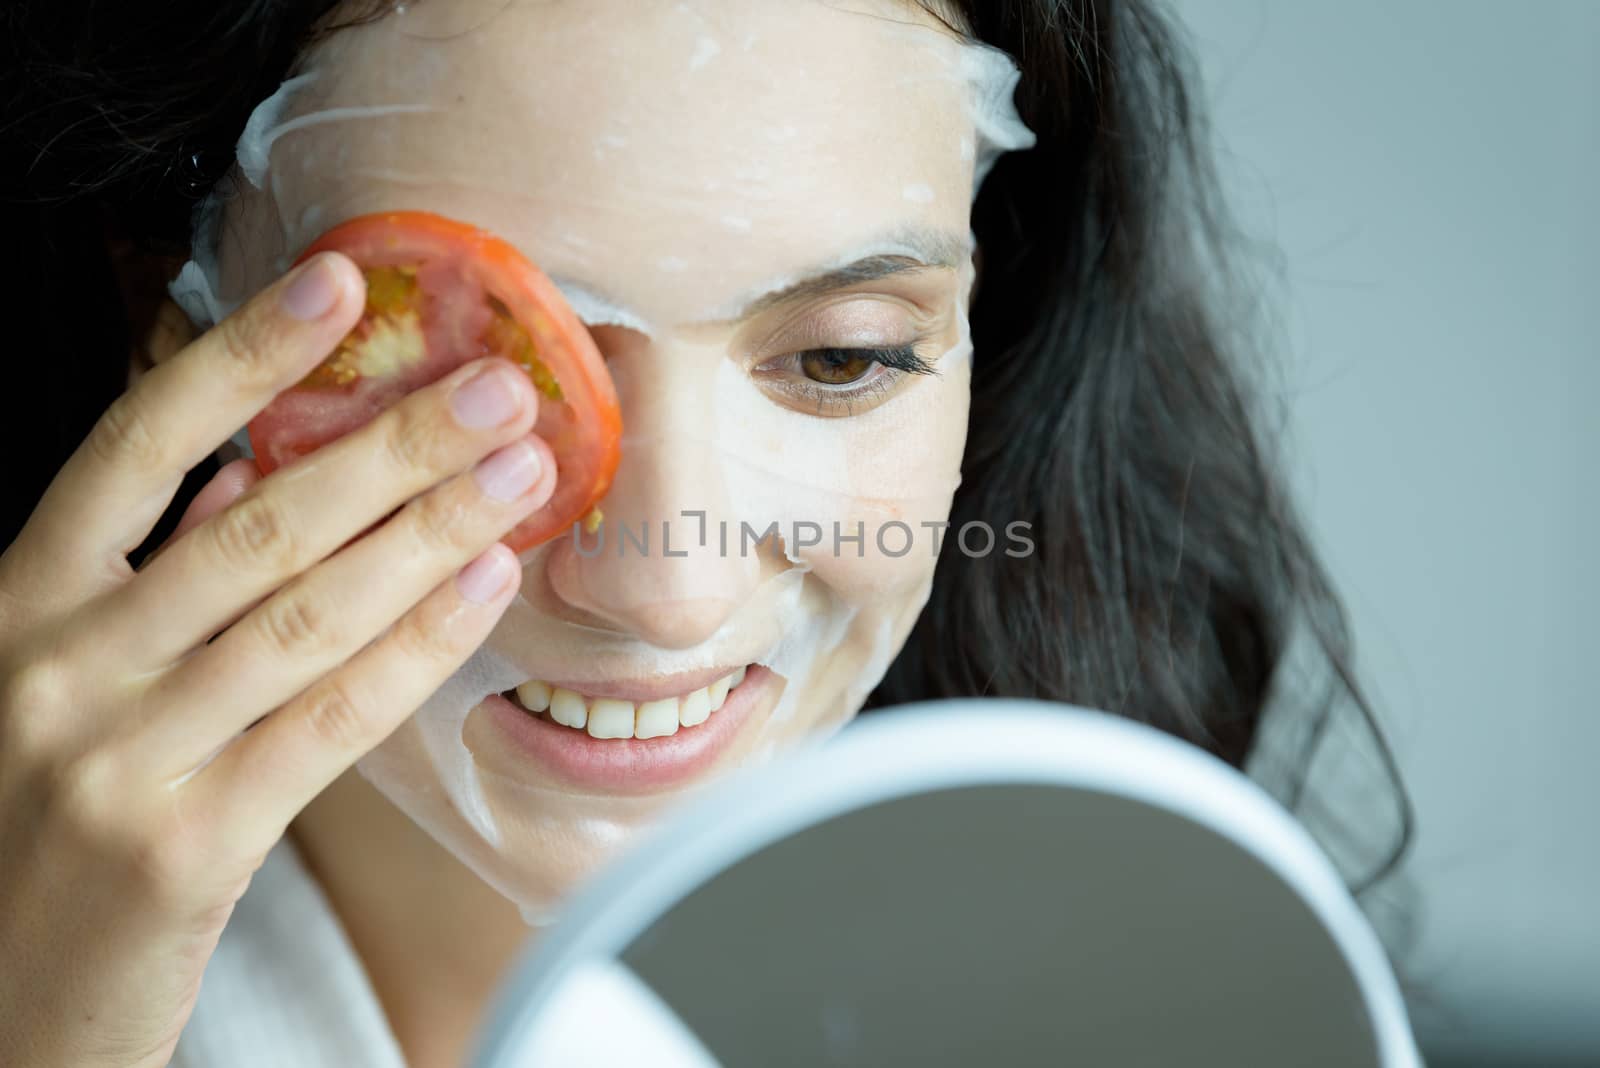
{"x":612,"y":717}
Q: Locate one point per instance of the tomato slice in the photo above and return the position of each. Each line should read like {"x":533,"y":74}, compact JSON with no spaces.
{"x":439,"y":294}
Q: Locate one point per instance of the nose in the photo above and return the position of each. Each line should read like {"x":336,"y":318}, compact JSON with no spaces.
{"x":651,"y":569}
{"x":659,"y":566}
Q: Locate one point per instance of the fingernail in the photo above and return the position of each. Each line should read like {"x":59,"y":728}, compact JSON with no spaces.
{"x":487,"y":399}
{"x":314,"y":293}
{"x":508,"y":473}
{"x":486,"y":577}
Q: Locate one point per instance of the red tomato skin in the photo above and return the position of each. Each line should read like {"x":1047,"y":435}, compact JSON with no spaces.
{"x":583,"y":427}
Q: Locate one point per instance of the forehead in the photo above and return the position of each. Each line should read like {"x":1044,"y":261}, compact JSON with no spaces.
{"x":675,"y":154}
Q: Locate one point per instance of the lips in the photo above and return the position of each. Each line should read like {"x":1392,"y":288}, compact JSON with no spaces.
{"x":632,"y":764}
{"x":634,"y":709}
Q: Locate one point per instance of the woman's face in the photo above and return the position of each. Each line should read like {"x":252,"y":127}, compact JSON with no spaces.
{"x":721,"y":188}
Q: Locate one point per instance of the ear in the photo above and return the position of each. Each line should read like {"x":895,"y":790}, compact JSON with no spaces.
{"x":166,"y":332}
{"x":157,"y":326}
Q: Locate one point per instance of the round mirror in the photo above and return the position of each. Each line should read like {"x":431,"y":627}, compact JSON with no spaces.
{"x":990,"y":882}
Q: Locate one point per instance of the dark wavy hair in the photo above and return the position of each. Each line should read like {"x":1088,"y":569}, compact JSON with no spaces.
{"x":1112,"y":405}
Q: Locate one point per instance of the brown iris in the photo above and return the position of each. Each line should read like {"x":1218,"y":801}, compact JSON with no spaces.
{"x":836,"y":367}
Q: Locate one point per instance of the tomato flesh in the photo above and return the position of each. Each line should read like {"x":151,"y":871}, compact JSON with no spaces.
{"x":441,"y":293}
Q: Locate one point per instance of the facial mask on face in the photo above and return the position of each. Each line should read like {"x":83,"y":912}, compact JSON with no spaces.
{"x":674,"y":168}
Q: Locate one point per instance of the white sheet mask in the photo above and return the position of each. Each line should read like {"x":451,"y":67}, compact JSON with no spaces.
{"x":667,"y":164}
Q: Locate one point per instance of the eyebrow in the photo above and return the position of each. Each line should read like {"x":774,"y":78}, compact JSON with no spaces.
{"x":898,"y":251}
{"x":903,"y":250}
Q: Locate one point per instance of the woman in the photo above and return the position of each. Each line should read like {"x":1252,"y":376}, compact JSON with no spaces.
{"x":1108,"y":414}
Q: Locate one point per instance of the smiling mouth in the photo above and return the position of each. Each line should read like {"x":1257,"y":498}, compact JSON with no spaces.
{"x":616,"y":717}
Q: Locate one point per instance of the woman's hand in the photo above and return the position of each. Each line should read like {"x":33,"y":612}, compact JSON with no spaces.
{"x":122,"y":849}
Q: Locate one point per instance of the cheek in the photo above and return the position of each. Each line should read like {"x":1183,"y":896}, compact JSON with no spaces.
{"x":880,"y":562}
{"x":891,"y":532}
{"x":908,"y":451}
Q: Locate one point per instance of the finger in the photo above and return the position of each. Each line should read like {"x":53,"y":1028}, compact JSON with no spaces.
{"x":301,"y":514}
{"x":263,"y":779}
{"x":326,"y":616}
{"x":112,"y":490}
{"x":226,"y":486}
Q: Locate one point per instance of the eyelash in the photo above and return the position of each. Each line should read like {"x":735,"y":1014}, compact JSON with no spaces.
{"x":896,"y":363}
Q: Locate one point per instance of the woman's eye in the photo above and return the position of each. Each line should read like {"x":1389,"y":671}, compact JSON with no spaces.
{"x":841,"y":381}
{"x":836,"y":367}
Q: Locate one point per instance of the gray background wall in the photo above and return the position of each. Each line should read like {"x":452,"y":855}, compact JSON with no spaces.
{"x":1431,"y":172}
